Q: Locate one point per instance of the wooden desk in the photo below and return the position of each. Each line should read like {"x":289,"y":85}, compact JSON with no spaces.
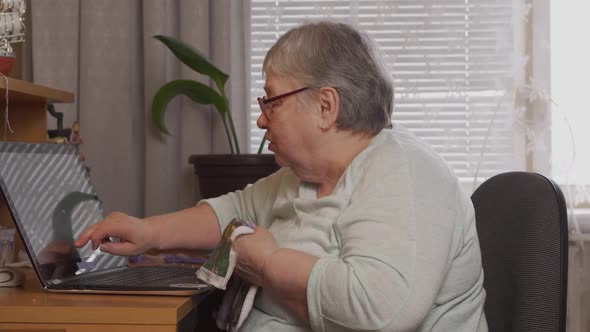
{"x":30,"y":308}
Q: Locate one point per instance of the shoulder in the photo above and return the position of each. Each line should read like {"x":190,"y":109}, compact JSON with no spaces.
{"x":398,"y":149}
{"x":399,"y":160}
{"x":401,"y":147}
{"x":280,"y":183}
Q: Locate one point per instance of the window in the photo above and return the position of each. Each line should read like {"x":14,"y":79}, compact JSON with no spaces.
{"x":452,"y":62}
{"x":570,"y":71}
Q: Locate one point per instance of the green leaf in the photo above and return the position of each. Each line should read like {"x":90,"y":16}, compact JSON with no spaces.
{"x":195,"y":60}
{"x":198,"y":92}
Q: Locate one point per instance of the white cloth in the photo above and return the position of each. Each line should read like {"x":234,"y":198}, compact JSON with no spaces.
{"x":218,"y":270}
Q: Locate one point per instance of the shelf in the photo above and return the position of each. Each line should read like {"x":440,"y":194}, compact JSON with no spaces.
{"x":26,"y":92}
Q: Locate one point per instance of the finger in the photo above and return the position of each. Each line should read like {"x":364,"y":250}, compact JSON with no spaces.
{"x":119,"y":248}
{"x":97,"y":239}
{"x":85,"y":237}
{"x":103,"y":234}
{"x":108,"y":230}
{"x":239,"y":270}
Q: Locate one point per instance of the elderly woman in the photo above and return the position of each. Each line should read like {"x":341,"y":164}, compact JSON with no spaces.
{"x":363,"y":228}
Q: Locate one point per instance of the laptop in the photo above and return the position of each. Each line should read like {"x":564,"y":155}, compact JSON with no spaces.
{"x":51,"y":200}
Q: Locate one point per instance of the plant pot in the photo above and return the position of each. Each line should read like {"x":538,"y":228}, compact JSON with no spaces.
{"x":218,"y":174}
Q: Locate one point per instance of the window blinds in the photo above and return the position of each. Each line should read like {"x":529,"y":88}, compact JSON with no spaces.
{"x":451,"y":62}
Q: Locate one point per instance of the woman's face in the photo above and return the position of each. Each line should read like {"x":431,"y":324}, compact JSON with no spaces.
{"x":294,"y":125}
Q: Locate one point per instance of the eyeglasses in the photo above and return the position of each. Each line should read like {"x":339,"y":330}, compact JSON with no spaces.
{"x":266,"y":104}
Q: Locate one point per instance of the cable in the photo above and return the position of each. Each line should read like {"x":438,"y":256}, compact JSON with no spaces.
{"x":6,"y":121}
{"x":484,"y":146}
{"x":568,"y":188}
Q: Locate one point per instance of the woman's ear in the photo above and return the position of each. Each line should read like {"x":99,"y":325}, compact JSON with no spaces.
{"x":330,"y":107}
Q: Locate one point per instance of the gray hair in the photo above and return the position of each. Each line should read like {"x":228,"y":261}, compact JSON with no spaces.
{"x":335,"y":54}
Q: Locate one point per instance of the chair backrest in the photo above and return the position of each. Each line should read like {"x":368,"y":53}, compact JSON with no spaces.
{"x":522,"y":227}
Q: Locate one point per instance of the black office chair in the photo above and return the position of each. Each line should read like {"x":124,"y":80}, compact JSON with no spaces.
{"x":521,"y":222}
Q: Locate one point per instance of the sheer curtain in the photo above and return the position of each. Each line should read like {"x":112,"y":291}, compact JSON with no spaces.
{"x":568,"y":72}
{"x":474,"y":78}
{"x":103,"y":52}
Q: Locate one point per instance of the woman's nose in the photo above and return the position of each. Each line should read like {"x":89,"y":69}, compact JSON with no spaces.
{"x":262,"y":121}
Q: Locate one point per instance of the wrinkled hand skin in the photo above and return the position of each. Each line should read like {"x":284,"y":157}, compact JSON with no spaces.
{"x":253,"y":251}
{"x":134,"y":236}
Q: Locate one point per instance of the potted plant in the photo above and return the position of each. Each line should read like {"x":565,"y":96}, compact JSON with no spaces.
{"x":217,"y":173}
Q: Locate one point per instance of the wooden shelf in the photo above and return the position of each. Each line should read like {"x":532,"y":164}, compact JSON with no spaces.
{"x":27,"y":109}
{"x":20,"y":91}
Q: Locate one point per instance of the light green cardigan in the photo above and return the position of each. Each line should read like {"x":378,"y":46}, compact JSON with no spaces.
{"x":396,"y":239}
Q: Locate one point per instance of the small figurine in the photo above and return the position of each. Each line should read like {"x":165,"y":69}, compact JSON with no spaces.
{"x":75,"y":137}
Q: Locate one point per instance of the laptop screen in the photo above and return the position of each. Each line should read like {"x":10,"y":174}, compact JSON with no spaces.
{"x":52,"y":202}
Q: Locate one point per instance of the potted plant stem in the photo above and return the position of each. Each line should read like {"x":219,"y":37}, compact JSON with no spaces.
{"x":217,"y":173}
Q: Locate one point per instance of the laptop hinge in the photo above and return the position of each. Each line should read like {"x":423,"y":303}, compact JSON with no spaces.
{"x":87,"y":274}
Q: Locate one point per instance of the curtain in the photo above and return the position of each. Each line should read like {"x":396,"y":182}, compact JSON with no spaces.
{"x":103,"y":52}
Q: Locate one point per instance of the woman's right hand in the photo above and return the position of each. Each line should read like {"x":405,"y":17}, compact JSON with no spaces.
{"x":134,"y":236}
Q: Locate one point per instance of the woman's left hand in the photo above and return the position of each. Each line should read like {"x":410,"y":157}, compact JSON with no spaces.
{"x":253,"y":251}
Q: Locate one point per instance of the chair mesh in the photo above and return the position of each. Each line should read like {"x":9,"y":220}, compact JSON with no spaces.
{"x":522,"y":227}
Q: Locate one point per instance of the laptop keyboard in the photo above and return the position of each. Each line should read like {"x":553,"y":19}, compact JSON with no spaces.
{"x":134,"y":276}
